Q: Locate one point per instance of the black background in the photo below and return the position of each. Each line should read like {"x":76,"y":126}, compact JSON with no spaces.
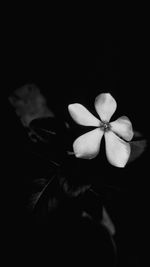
{"x":70,"y":67}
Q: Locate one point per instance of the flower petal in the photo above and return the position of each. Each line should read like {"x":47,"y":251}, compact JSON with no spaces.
{"x":82,"y":116}
{"x":117,"y":150}
{"x":105,"y":106}
{"x":87,"y":145}
{"x":123,"y":127}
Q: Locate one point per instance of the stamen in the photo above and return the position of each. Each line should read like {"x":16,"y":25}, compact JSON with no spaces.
{"x":105,"y":126}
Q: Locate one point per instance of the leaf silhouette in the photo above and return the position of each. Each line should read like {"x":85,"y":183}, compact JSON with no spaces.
{"x":36,"y":197}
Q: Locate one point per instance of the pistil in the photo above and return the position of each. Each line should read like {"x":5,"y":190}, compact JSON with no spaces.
{"x":105,"y":126}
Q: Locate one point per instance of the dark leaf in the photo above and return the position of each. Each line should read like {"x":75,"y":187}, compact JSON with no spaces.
{"x":43,"y":129}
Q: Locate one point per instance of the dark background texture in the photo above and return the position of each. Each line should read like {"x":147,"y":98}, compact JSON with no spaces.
{"x":68,"y":70}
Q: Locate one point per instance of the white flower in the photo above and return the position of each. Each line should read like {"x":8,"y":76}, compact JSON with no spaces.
{"x":87,"y":146}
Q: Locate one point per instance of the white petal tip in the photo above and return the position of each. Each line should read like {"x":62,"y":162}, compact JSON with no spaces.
{"x":70,"y":107}
{"x":121,"y":166}
{"x":117,"y":165}
{"x":105,"y":106}
{"x":80,"y":156}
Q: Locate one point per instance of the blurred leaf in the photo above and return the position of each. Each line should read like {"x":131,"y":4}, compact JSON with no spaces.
{"x":29,"y":104}
{"x":137,"y":134}
{"x":137,"y":149}
{"x":107,"y":222}
{"x":72,"y":190}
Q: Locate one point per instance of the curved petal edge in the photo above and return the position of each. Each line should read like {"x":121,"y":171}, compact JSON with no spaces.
{"x":123,"y":127}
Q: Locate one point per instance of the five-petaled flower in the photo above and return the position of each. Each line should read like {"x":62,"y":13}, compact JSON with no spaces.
{"x":117,"y":134}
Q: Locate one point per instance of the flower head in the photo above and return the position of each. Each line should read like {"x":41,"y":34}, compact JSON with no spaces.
{"x":116,"y":133}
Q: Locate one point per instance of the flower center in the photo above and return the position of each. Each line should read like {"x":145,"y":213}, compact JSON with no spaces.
{"x":105,"y":126}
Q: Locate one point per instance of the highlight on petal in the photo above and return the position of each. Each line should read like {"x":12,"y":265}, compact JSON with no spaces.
{"x":87,"y":146}
{"x":105,"y":106}
{"x":123,"y":127}
{"x":82,"y":116}
{"x":117,"y":150}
